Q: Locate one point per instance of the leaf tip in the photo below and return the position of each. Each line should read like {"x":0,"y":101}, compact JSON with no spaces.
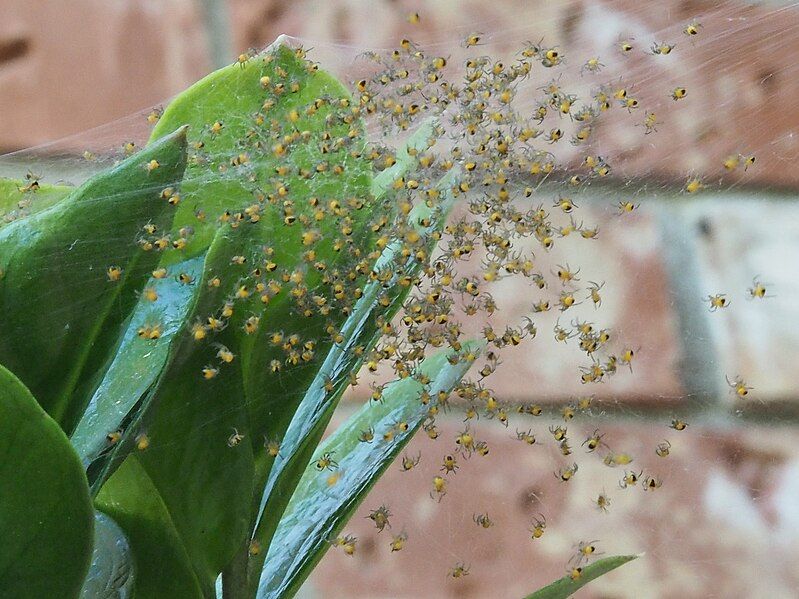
{"x":282,"y":40}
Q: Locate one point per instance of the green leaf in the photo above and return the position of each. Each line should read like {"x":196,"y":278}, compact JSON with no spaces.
{"x":234,"y":97}
{"x":361,"y":328}
{"x":46,"y":515}
{"x":202,"y":485}
{"x":313,"y":414}
{"x":137,"y":362}
{"x":62,"y":316}
{"x":162,"y":566}
{"x":567,"y":586}
{"x":202,"y":482}
{"x":111,"y":574}
{"x":235,"y":93}
{"x":423,"y":137}
{"x":16,"y":202}
{"x":318,"y":510}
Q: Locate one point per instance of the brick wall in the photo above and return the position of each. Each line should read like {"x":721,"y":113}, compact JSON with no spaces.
{"x":725,"y":510}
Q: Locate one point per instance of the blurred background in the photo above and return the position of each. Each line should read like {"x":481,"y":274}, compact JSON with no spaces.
{"x":726,"y":521}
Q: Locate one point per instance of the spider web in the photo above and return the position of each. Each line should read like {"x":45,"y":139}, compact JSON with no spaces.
{"x":730,"y":475}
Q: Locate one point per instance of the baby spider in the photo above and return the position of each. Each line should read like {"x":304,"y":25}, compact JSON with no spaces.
{"x":662,"y":449}
{"x":562,"y":334}
{"x":585,"y":550}
{"x":566,"y":275}
{"x":526,"y":436}
{"x":483,"y":520}
{"x":602,"y":502}
{"x":565,"y":448}
{"x":481,"y":448}
{"x":114,"y":273}
{"x":717,"y":301}
{"x":347,"y":543}
{"x":662,"y":48}
{"x":626,"y":46}
{"x":538,"y":527}
{"x":617,"y":459}
{"x":244,"y":58}
{"x":551,"y":58}
{"x":142,"y":441}
{"x":439,"y":488}
{"x":757,"y":290}
{"x":625,"y":207}
{"x":465,"y":441}
{"x":565,"y":204}
{"x":398,"y":541}
{"x":592,"y":65}
{"x":693,"y":185}
{"x":651,"y":483}
{"x":627,"y":356}
{"x":472,"y":40}
{"x":559,"y":432}
{"x":235,"y":438}
{"x":566,"y":474}
{"x":588,"y":232}
{"x":272,"y":446}
{"x":593,"y":289}
{"x":459,"y":571}
{"x":209,"y":372}
{"x":326,"y":462}
{"x":630,"y":479}
{"x":678,"y":425}
{"x":450,"y":464}
{"x":154,"y":115}
{"x":692,"y":28}
{"x":594,"y":441}
{"x":409,"y":462}
{"x":380,"y":517}
{"x":567,"y":300}
{"x":224,"y":354}
{"x":650,"y":123}
{"x":738,"y":386}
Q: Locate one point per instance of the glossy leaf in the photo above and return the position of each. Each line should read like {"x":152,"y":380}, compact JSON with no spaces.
{"x":17,"y":202}
{"x":317,"y":405}
{"x":324,"y":501}
{"x":423,"y":137}
{"x":567,"y":586}
{"x":46,"y":515}
{"x":232,"y":98}
{"x":60,"y":314}
{"x":202,"y":484}
{"x":361,"y":328}
{"x":162,"y":566}
{"x":137,"y":362}
{"x":111,"y":574}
